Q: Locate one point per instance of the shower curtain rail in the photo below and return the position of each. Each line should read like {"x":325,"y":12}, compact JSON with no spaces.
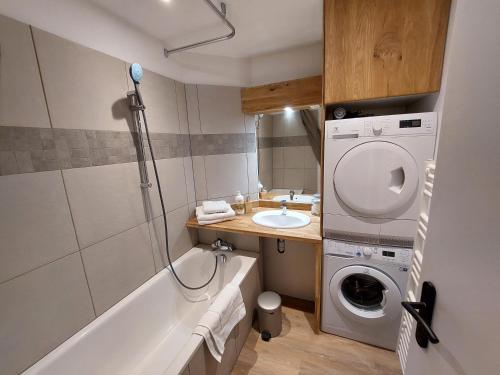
{"x":222,"y":15}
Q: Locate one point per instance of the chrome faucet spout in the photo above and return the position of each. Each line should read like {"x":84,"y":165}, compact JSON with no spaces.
{"x":292,"y":194}
{"x":283,"y":207}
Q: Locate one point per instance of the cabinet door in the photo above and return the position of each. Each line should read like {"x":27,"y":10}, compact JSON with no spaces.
{"x":383,"y":48}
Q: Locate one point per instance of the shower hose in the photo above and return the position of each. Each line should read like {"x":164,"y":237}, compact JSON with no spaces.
{"x":167,"y":250}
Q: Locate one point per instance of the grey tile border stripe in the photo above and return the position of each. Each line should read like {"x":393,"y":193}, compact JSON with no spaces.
{"x":292,"y":141}
{"x":25,"y":149}
{"x":227,"y":143}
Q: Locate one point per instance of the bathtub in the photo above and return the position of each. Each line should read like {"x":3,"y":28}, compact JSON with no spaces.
{"x":150,"y":331}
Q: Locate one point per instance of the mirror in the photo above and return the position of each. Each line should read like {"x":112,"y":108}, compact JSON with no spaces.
{"x":289,"y":148}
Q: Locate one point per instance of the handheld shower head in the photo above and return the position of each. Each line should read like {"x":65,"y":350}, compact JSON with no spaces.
{"x":136,"y":73}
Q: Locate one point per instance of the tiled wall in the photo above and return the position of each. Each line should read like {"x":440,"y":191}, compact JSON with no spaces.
{"x":223,"y":143}
{"x":284,"y":144}
{"x":77,"y":233}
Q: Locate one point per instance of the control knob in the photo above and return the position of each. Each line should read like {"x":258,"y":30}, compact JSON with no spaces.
{"x":367,"y":252}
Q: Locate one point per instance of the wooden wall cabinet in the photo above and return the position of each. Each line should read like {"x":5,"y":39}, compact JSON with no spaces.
{"x":273,"y":97}
{"x":383,"y":48}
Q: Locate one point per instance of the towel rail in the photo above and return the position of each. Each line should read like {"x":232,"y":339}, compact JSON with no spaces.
{"x":222,"y":15}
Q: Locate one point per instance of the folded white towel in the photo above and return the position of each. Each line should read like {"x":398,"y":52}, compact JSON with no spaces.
{"x":222,"y":316}
{"x":207,"y":222}
{"x":213,"y":207}
{"x":203,"y":217}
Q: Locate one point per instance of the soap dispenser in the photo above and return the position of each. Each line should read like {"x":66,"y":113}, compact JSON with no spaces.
{"x":239,"y":204}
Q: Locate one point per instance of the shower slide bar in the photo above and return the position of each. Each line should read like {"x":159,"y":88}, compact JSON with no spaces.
{"x":222,"y":15}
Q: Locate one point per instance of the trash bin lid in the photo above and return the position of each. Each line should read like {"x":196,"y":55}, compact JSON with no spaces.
{"x":269,"y":301}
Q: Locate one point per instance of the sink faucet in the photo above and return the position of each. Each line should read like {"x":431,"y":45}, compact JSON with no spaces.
{"x":292,"y":194}
{"x":283,"y":207}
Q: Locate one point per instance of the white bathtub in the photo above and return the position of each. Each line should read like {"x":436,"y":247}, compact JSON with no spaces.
{"x":149,"y":331}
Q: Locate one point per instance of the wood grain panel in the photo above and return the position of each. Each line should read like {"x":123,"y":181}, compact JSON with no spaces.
{"x":383,"y":48}
{"x":299,"y":93}
{"x":243,"y":224}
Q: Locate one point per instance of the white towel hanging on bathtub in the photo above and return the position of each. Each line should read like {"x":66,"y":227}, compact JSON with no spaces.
{"x":215,"y":326}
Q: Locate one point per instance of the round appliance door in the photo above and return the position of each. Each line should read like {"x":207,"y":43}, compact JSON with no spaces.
{"x":376,"y":178}
{"x":365,"y":294}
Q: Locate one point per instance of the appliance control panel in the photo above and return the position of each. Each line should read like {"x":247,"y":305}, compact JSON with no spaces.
{"x":424,"y":123}
{"x":369,"y":253}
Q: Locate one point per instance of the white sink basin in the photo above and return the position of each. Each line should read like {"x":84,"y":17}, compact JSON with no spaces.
{"x":298,"y":198}
{"x":276,"y":219}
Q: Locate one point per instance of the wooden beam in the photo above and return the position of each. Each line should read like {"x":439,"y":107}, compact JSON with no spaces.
{"x":299,"y":93}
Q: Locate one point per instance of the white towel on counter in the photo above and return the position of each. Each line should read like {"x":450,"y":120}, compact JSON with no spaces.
{"x":207,"y":222}
{"x":204,"y":218}
{"x":214,"y":207}
{"x":223,"y":314}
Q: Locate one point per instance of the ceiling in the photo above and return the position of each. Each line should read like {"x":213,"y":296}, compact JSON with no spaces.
{"x":262,"y":26}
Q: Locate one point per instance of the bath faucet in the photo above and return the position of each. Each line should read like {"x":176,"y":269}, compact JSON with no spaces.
{"x":283,"y":207}
{"x":292,"y":194}
{"x":221,"y":245}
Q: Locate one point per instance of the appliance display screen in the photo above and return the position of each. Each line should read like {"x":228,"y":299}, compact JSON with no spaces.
{"x":388,"y":253}
{"x":410,"y":123}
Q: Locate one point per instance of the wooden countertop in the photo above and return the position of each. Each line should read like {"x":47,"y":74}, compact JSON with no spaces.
{"x":243,"y":224}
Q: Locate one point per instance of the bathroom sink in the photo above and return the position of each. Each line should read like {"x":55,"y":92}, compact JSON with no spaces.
{"x":276,"y":219}
{"x":298,"y":198}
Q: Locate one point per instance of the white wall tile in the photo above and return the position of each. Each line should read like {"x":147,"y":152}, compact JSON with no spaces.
{"x":220,"y":109}
{"x":85,"y":89}
{"x":200,"y":181}
{"x":311,"y":180}
{"x":290,"y":273}
{"x":21,"y":95}
{"x":104,"y":200}
{"x":293,"y":178}
{"x":293,"y":157}
{"x":40,"y":310}
{"x":180,"y":90}
{"x":193,"y":109}
{"x":180,"y":238}
{"x":35,"y":222}
{"x":253,"y":173}
{"x":173,"y":184}
{"x":265,"y":156}
{"x":160,"y":98}
{"x":118,"y":265}
{"x":278,"y":157}
{"x":278,"y":175}
{"x":226,"y":174}
{"x":309,"y":158}
{"x":288,"y":124}
{"x":250,"y":124}
{"x":188,"y":170}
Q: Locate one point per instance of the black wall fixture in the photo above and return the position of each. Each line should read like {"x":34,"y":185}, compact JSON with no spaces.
{"x":422,"y":312}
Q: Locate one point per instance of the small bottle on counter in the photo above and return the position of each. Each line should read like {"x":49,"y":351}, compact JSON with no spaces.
{"x":239,"y":204}
{"x":316,"y":205}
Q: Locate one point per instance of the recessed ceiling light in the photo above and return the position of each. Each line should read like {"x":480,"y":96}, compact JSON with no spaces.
{"x":288,"y":109}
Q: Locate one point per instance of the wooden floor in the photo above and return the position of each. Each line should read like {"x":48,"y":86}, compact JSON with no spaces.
{"x":299,"y":351}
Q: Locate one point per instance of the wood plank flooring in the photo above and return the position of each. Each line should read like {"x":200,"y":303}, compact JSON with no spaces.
{"x":299,"y":351}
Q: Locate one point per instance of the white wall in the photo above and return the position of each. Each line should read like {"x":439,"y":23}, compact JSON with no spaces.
{"x":86,"y":23}
{"x":462,"y":256}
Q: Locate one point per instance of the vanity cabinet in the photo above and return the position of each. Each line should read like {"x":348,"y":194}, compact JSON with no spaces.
{"x":383,"y":48}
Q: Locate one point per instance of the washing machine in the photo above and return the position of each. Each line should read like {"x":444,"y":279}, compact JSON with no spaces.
{"x":373,"y":173}
{"x":362,"y":291}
